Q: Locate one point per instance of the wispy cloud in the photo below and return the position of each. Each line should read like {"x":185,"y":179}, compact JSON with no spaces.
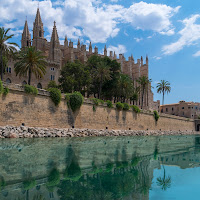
{"x":189,"y":35}
{"x":138,"y":39}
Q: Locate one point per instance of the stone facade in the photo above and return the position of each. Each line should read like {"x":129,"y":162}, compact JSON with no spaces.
{"x":182,"y":109}
{"x":39,"y":111}
{"x":58,"y":55}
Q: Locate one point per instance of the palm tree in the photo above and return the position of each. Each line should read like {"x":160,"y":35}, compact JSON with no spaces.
{"x":102,"y":74}
{"x":163,"y":87}
{"x":30,"y":61}
{"x":144,"y":85}
{"x":6,"y":48}
{"x":164,"y":182}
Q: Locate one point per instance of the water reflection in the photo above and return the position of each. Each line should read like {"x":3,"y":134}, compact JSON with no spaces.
{"x":126,"y":168}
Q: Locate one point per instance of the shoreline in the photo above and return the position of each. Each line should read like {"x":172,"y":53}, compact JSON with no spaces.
{"x":37,"y":132}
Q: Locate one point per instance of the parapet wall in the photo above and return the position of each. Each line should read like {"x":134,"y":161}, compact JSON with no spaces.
{"x":39,"y":111}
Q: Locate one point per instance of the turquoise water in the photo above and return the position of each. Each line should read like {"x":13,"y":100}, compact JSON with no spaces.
{"x":101,"y":168}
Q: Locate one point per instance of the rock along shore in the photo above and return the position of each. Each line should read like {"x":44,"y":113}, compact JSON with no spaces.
{"x":30,"y":132}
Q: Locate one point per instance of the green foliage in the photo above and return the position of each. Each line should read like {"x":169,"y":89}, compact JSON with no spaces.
{"x":52,"y":84}
{"x":2,"y":183}
{"x":156,"y":115}
{"x":97,"y":101}
{"x":155,"y":154}
{"x":1,"y":87}
{"x":74,"y":100}
{"x":119,"y":105}
{"x":74,"y":77}
{"x":5,"y":91}
{"x":135,"y":161}
{"x":55,"y":95}
{"x":53,"y":178}
{"x":126,"y":106}
{"x":109,"y":167}
{"x":30,"y":60}
{"x":29,"y":89}
{"x":109,"y":104}
{"x":29,"y":184}
{"x":135,"y":108}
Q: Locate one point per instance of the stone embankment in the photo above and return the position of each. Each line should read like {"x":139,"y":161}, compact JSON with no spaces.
{"x":30,"y":132}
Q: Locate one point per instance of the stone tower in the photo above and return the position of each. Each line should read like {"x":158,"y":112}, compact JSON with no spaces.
{"x":54,"y":51}
{"x":38,"y":33}
{"x":26,"y":36}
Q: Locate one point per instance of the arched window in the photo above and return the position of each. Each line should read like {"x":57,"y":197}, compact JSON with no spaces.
{"x":24,"y":83}
{"x":40,"y":33}
{"x":8,"y":81}
{"x":39,"y":85}
{"x":27,"y":43}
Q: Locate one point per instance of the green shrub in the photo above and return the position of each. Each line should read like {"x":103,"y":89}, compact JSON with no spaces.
{"x":95,"y":101}
{"x":55,"y":95}
{"x":119,"y":105}
{"x":101,"y":101}
{"x":126,"y":106}
{"x":1,"y":87}
{"x":156,"y":115}
{"x":5,"y":91}
{"x":74,"y":100}
{"x":29,"y":89}
{"x":109,"y":167}
{"x":109,"y":104}
{"x":135,"y":161}
{"x":135,"y":109}
{"x":29,"y":184}
{"x":52,"y":84}
{"x":53,"y":178}
{"x":2,"y":183}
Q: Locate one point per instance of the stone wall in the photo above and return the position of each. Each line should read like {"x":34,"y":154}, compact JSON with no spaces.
{"x":39,"y":111}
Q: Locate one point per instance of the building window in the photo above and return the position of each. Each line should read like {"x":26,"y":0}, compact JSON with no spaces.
{"x":8,"y":81}
{"x":39,"y":85}
{"x":24,"y":83}
{"x":182,"y":107}
{"x":161,"y":110}
{"x":166,"y":109}
{"x":172,"y":109}
{"x":52,"y":77}
{"x":196,"y":108}
{"x":40,"y":33}
{"x":188,"y":107}
{"x":192,"y":107}
{"x":52,"y":68}
{"x":8,"y":69}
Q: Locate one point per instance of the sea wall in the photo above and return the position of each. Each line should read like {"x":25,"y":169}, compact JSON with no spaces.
{"x":39,"y":111}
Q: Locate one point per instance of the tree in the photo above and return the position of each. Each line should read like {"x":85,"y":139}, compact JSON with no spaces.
{"x":7,"y":49}
{"x":164,"y":182}
{"x":102,"y":73}
{"x":74,"y":77}
{"x":163,"y":87}
{"x":144,"y":85}
{"x":30,"y":61}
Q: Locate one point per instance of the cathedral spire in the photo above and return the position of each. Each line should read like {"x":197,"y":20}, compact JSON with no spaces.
{"x":54,"y":36}
{"x":38,"y":30}
{"x":105,"y":51}
{"x":90,"y":48}
{"x":78,"y":44}
{"x":26,"y":37}
{"x":66,"y":41}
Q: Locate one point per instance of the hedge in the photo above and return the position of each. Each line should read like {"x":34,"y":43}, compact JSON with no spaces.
{"x":126,"y":106}
{"x":55,"y":95}
{"x":156,"y":115}
{"x":135,"y":109}
{"x":119,"y":105}
{"x":109,"y":104}
{"x":74,"y":100}
{"x":29,"y":89}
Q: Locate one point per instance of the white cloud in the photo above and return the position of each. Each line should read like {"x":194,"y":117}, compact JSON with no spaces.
{"x":149,"y":16}
{"x":88,"y":18}
{"x":189,"y":35}
{"x":197,"y":54}
{"x":138,"y":39}
{"x":119,"y":49}
{"x":157,"y":57}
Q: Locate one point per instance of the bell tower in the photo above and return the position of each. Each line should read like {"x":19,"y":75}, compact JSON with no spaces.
{"x":38,"y":33}
{"x":26,"y":36}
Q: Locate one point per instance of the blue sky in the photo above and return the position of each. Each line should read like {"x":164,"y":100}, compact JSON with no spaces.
{"x":168,"y":31}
